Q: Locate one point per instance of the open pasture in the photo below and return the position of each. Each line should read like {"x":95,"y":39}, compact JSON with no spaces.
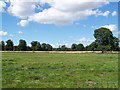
{"x":59,"y":70}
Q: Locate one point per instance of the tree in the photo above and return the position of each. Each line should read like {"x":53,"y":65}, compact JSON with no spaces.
{"x":22,"y":45}
{"x":64,"y":48}
{"x":77,"y":47}
{"x":103,"y":36}
{"x":46,"y":47}
{"x":43,"y":46}
{"x":105,"y":40}
{"x":59,"y":48}
{"x":9,"y":45}
{"x":115,"y":45}
{"x":2,"y":45}
{"x":49,"y":47}
{"x":80,"y":47}
{"x":103,"y":48}
{"x":29,"y":48}
{"x":35,"y":46}
{"x":92,"y":47}
{"x":74,"y":47}
{"x":38,"y":47}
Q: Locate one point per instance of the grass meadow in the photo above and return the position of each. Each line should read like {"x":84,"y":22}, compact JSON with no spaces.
{"x":59,"y":70}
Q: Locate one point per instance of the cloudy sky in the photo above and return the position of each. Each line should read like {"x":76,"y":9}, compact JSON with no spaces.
{"x":56,"y":22}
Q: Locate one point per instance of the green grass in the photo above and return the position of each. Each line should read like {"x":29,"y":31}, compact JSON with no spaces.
{"x":59,"y":70}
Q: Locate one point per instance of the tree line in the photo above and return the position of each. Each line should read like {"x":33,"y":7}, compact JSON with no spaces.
{"x":104,"y":41}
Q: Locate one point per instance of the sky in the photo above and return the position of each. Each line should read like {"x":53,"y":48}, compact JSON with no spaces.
{"x":57,"y":22}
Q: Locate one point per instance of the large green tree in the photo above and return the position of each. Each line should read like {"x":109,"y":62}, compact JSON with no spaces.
{"x":105,"y":40}
{"x":43,"y":46}
{"x":9,"y":45}
{"x":77,"y":47}
{"x":115,"y":45}
{"x":46,"y":47}
{"x":80,"y":47}
{"x":49,"y":47}
{"x":92,"y":47}
{"x":103,"y":36}
{"x":74,"y":46}
{"x":63,"y":48}
{"x":22,"y":45}
{"x":35,"y":46}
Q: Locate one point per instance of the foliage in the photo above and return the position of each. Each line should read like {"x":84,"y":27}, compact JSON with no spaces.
{"x":92,"y":47}
{"x":74,"y":46}
{"x":63,"y":48}
{"x":103,"y":36}
{"x":35,"y":46}
{"x":105,"y":41}
{"x":2,"y":45}
{"x":22,"y":45}
{"x":9,"y":45}
{"x":79,"y":47}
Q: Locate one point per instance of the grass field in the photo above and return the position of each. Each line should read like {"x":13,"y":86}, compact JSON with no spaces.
{"x":59,"y":70}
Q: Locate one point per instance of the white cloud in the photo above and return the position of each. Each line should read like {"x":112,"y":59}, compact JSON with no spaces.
{"x":21,"y":9}
{"x":83,"y":39}
{"x":60,"y":11}
{"x":112,"y":27}
{"x":114,"y":13}
{"x":52,"y":45}
{"x":106,"y":13}
{"x":2,"y":33}
{"x":20,"y":32}
{"x":2,"y":6}
{"x":98,"y":12}
{"x":23,"y":23}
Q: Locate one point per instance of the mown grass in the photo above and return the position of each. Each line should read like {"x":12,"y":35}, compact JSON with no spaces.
{"x":59,"y":70}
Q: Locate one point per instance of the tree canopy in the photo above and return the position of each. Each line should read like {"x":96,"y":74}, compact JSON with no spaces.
{"x":9,"y":45}
{"x":35,"y":46}
{"x":104,"y":41}
{"x":77,"y":47}
{"x":22,"y":45}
